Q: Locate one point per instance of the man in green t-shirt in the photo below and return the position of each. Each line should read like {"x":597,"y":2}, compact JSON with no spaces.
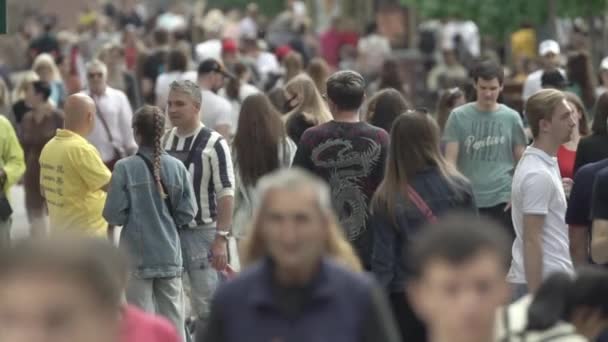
{"x":485,"y":140}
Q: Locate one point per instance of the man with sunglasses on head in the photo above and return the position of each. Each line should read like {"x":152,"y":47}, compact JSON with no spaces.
{"x":112,"y":134}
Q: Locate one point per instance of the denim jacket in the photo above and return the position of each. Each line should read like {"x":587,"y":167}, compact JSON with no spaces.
{"x":149,"y":232}
{"x":390,"y":250}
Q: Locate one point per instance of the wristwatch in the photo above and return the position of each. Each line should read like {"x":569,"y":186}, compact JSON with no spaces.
{"x":223,"y":233}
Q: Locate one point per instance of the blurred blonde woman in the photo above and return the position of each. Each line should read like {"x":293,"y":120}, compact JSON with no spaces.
{"x":318,"y":70}
{"x":293,"y":65}
{"x":20,"y":107}
{"x":305,"y":106}
{"x":254,"y":246}
{"x":46,"y":68}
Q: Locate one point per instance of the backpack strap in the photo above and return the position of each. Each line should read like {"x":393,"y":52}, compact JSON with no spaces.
{"x":167,"y":198}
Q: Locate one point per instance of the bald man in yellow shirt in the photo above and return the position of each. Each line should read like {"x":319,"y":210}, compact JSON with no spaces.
{"x":73,"y":177}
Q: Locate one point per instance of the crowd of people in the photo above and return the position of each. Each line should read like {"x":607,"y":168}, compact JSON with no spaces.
{"x":267,"y":183}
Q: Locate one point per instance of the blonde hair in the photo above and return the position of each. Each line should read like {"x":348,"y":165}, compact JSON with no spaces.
{"x":312,"y":105}
{"x":293,"y":65}
{"x":26,"y":79}
{"x":254,"y":247}
{"x":541,"y":106}
{"x":46,"y":60}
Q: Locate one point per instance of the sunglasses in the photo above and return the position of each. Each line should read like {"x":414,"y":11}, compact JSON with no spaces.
{"x":95,"y":74}
{"x":419,"y":111}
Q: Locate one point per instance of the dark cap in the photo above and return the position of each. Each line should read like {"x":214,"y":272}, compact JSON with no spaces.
{"x":554,"y":79}
{"x":213,"y":65}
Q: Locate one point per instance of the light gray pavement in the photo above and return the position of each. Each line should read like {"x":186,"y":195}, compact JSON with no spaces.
{"x":21,"y":227}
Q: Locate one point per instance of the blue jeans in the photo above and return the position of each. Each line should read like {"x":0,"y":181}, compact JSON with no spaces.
{"x":163,"y":296}
{"x":196,"y":253}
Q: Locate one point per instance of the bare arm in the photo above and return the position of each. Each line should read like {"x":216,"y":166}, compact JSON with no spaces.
{"x":533,"y":250}
{"x":451,"y":152}
{"x":219,"y":249}
{"x":224,"y":212}
{"x":599,"y":241}
{"x":579,"y":237}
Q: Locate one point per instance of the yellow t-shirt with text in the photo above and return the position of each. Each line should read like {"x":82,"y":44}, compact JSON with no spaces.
{"x":71,"y":176}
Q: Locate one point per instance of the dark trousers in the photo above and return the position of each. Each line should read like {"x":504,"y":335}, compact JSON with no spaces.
{"x":411,"y":328}
{"x":498,"y":214}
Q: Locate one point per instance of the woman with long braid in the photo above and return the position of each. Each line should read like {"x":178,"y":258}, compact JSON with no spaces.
{"x":151,"y":197}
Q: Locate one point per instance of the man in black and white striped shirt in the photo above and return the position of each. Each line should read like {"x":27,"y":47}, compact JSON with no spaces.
{"x":207,"y":157}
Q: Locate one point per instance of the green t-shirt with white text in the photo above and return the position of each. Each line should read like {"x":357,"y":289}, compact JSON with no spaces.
{"x":486,"y":142}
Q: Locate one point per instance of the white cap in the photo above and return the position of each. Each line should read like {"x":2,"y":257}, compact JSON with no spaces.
{"x":604,"y":64}
{"x":548,"y":46}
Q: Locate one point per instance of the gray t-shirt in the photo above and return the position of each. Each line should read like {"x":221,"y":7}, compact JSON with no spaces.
{"x":486,"y":142}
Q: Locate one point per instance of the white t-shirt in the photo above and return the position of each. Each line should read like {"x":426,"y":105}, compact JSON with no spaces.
{"x":164,"y":81}
{"x":215,"y":110}
{"x":534,"y":83}
{"x":537,"y":189}
{"x":245,"y":90}
{"x":267,"y":63}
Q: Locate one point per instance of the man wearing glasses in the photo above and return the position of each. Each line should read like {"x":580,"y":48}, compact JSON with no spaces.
{"x":112,"y":134}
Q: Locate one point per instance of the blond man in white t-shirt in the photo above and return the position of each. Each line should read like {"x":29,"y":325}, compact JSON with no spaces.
{"x":538,"y":199}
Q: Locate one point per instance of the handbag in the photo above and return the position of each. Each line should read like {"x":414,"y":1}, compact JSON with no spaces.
{"x":5,"y":207}
{"x":421,"y":205}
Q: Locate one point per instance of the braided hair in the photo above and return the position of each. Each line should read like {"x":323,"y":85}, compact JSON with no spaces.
{"x":149,"y":124}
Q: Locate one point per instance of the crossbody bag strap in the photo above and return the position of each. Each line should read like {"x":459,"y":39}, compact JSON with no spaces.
{"x":102,"y":120}
{"x":104,"y":123}
{"x":421,"y":204}
{"x":167,"y":198}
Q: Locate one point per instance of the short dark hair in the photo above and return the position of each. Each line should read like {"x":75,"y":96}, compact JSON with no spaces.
{"x":161,"y":36}
{"x":457,"y":239}
{"x":177,"y":61}
{"x":42,"y":88}
{"x":488,"y":70}
{"x":346,"y":89}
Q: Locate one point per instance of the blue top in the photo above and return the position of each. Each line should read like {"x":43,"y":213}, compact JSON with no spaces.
{"x":390,"y":242}
{"x":337,"y":305}
{"x":149,"y":232}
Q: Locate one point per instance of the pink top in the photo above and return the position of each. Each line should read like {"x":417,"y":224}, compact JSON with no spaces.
{"x":139,"y":326}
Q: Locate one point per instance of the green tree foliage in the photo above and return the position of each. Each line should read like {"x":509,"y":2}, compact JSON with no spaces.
{"x":499,"y":17}
{"x":267,"y":7}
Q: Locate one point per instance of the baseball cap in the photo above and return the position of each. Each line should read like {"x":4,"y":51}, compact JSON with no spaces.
{"x":548,"y":46}
{"x":604,"y":64}
{"x":229,"y":46}
{"x":213,"y":65}
{"x":282,"y":51}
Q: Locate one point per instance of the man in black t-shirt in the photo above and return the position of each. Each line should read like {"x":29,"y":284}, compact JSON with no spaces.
{"x":349,"y":155}
{"x":599,"y":214}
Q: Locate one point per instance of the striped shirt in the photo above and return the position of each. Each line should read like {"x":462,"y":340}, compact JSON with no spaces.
{"x":211,"y":171}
